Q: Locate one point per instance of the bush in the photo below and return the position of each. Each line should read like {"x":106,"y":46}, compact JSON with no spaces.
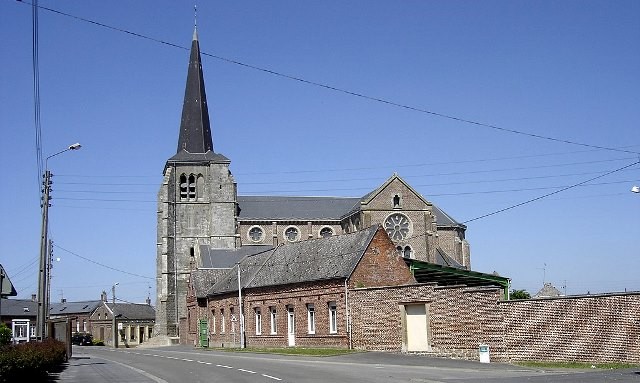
{"x":31,"y":361}
{"x":98,"y":342}
{"x":5,"y":335}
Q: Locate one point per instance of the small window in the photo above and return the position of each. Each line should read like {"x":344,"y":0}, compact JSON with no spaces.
{"x":326,"y":232}
{"x":396,"y":201}
{"x":256,"y":234}
{"x":272,"y":315}
{"x":222,"y":321}
{"x":333,"y":318}
{"x":407,"y":252}
{"x":258,"y":321}
{"x":311,"y":319}
{"x":291,"y":234}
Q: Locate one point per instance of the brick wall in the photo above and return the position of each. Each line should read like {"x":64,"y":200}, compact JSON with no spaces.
{"x":459,"y":318}
{"x":598,"y":328}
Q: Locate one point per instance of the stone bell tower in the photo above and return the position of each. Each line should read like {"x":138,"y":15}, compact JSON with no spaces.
{"x":197,"y":202}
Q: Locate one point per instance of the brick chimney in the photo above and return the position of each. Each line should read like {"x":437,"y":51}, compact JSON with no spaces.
{"x":103,"y":296}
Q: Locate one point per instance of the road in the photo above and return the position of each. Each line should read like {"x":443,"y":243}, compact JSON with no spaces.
{"x":189,"y":365}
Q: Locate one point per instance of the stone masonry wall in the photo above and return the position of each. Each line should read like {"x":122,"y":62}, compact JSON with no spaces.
{"x":598,"y":328}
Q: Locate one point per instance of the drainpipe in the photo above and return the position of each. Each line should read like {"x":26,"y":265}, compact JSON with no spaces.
{"x":346,"y":304}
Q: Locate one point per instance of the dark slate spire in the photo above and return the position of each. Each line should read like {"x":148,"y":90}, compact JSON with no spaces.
{"x":195,"y":130}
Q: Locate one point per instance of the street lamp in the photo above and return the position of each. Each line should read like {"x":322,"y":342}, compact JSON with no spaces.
{"x":43,"y":301}
{"x":113,"y":315}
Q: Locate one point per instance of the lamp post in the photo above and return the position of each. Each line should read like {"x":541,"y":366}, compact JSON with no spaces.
{"x":43,"y":309}
{"x":113,"y":315}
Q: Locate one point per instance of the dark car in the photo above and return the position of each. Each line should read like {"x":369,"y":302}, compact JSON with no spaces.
{"x":82,"y":339}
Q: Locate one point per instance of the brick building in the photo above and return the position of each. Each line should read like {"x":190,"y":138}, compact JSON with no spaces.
{"x":348,"y":290}
{"x":200,"y":214}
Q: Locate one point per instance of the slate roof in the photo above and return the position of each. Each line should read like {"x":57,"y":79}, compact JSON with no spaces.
{"x":444,"y":259}
{"x":133,"y":311}
{"x":227,"y":258}
{"x":203,"y":279}
{"x":312,"y":208}
{"x":294,"y":208}
{"x":66,"y":308}
{"x":548,"y":291}
{"x":6,"y":287}
{"x":313,"y":260}
{"x":16,"y":308}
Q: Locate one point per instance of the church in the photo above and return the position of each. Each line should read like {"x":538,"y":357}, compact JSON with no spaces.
{"x":202,"y":222}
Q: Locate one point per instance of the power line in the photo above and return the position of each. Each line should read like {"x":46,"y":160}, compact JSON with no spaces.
{"x":101,"y":264}
{"x":550,"y":194}
{"x":342,"y":90}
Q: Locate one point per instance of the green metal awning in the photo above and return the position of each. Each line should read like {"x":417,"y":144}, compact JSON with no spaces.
{"x":425,"y":272}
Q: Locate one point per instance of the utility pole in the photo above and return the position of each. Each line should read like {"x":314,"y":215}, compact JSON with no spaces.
{"x":240,"y":308}
{"x":113,"y":315}
{"x":41,"y":330}
{"x":43,"y":274}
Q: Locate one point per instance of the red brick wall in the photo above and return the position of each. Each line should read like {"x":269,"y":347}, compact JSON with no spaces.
{"x":602,"y":328}
{"x":460,"y":318}
{"x":381,"y":265}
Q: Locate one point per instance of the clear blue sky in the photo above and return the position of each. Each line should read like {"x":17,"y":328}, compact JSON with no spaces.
{"x":567,"y":70}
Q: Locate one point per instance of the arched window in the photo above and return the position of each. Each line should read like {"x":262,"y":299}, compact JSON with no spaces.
{"x":326,"y":232}
{"x":200,"y":186}
{"x":183,"y":186}
{"x":396,"y":201}
{"x":408,"y":252}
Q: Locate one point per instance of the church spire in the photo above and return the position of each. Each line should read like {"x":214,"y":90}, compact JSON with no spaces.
{"x":195,"y":129}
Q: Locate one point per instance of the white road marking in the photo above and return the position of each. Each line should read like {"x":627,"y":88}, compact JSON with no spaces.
{"x":223,"y":366}
{"x":243,"y":370}
{"x":271,"y":377}
{"x":187,"y":360}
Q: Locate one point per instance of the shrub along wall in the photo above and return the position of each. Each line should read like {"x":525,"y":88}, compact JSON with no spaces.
{"x":587,"y":328}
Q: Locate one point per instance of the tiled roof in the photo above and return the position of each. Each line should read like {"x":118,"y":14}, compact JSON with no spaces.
{"x":203,"y":279}
{"x":312,"y":260}
{"x":444,"y":259}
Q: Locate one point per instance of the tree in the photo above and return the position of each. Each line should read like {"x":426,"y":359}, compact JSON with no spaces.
{"x":519,"y":294}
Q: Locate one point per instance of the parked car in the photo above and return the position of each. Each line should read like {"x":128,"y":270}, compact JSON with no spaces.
{"x":82,"y":339}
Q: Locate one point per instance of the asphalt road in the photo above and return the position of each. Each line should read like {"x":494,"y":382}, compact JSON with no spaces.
{"x":181,"y":364}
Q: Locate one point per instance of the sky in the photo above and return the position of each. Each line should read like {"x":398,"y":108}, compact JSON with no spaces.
{"x":479,"y":105}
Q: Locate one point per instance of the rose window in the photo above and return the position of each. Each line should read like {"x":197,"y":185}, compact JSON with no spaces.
{"x":397,"y":226}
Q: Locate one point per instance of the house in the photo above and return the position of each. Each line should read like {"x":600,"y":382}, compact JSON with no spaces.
{"x":20,"y":316}
{"x":134,"y":323}
{"x":78,"y":313}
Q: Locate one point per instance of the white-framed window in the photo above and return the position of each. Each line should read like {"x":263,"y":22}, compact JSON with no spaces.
{"x":222,"y":321}
{"x":255,"y":234}
{"x":333,"y":318}
{"x":213,"y":321}
{"x":291,"y":234}
{"x":77,"y":326}
{"x":311,"y":319}
{"x":258,"y":321}
{"x":84,"y":325}
{"x":233,"y":320}
{"x":325,"y":232}
{"x":272,"y":316}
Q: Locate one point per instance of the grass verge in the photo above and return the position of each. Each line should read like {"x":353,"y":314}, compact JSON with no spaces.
{"x":292,"y":351}
{"x":576,"y":365}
